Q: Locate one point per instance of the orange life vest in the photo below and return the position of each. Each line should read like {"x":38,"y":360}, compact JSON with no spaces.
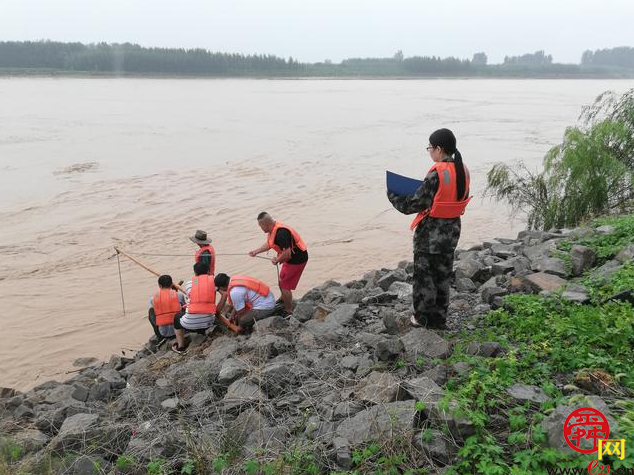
{"x":250,"y":283}
{"x":446,"y":203}
{"x":202,"y":296}
{"x":296,"y":238}
{"x":166,"y":304}
{"x":212,"y":259}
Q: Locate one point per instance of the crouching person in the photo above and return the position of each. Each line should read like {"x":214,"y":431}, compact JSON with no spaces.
{"x":163,"y":306}
{"x":201,"y":306}
{"x":250,"y":298}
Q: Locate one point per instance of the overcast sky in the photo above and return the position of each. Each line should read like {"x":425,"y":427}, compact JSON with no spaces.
{"x":314,"y":30}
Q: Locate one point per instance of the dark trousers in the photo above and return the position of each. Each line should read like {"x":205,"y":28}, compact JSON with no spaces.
{"x":151,"y":316}
{"x":433,"y":274}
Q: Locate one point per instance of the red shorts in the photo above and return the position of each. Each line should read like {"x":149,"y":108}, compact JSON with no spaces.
{"x":290,"y":274}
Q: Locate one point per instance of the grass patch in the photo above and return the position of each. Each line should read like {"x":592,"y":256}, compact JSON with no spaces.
{"x":609,"y":245}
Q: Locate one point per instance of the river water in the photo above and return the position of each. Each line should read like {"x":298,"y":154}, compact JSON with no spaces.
{"x":87,"y":164}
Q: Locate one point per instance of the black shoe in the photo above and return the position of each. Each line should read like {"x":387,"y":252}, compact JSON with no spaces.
{"x":286,"y":315}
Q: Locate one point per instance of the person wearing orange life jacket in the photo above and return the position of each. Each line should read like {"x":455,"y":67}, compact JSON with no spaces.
{"x":200,"y":313}
{"x":250,"y":298}
{"x":164,"y":304}
{"x":206,"y":252}
{"x":291,"y":253}
{"x":439,"y":202}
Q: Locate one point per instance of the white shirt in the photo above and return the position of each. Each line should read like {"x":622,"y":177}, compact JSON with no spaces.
{"x":240,"y":295}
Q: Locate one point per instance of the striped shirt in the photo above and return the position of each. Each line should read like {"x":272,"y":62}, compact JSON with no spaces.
{"x":195,"y":321}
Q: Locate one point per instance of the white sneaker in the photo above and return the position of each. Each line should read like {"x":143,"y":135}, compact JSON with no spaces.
{"x":413,"y":321}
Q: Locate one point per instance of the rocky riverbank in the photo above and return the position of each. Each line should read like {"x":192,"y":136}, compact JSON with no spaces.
{"x":347,"y":386}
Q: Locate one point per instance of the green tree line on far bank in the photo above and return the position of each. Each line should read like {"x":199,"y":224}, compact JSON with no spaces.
{"x":27,"y":57}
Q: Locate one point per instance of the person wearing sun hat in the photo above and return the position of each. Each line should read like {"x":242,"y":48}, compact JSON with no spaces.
{"x":206,"y":252}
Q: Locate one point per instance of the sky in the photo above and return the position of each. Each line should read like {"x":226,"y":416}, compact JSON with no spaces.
{"x":316,"y":30}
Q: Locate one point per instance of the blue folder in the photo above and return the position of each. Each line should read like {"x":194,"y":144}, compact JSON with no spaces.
{"x":401,"y":185}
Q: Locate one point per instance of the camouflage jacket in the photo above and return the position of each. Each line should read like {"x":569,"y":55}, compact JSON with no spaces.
{"x":433,"y":235}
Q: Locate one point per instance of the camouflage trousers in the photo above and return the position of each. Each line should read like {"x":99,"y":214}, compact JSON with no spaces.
{"x":433,"y":274}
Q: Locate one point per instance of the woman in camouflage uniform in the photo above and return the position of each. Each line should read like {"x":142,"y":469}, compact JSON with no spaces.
{"x":435,"y":238}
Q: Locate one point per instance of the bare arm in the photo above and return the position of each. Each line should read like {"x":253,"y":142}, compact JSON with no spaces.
{"x":263,"y":248}
{"x":285,"y":256}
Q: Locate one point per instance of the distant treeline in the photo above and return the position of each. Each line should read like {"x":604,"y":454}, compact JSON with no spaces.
{"x":621,"y":57}
{"x":130,"y":59}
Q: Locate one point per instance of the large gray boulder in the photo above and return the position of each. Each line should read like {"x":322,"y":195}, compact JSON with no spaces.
{"x":343,"y":457}
{"x":398,"y":275}
{"x":277,"y":325}
{"x":553,"y":425}
{"x":346,"y":409}
{"x":136,"y":368}
{"x":423,"y":389}
{"x":525,"y":393}
{"x":242,"y":393}
{"x":576,"y":293}
{"x":304,"y":310}
{"x":86,"y":465}
{"x":465,"y":285}
{"x":268,"y":346}
{"x":201,"y":399}
{"x":550,"y":265}
{"x":626,"y":254}
{"x":335,"y":295}
{"x":470,"y":269}
{"x":423,"y":342}
{"x":270,"y":440}
{"x":343,"y":314}
{"x":605,"y":229}
{"x":85,"y":430}
{"x":382,"y":422}
{"x":487,"y":349}
{"x":138,"y":402}
{"x":606,"y":271}
{"x":403,"y":290}
{"x":388,"y":349}
{"x":582,"y":233}
{"x":276,"y":378}
{"x":378,"y":388}
{"x":582,"y":259}
{"x":503,"y":267}
{"x":439,"y":374}
{"x":60,"y":394}
{"x":113,"y":378}
{"x":545,"y":249}
{"x":100,"y":392}
{"x":327,"y":331}
{"x":232,"y":370}
{"x":505,"y":250}
{"x":438,"y":448}
{"x":488,"y":294}
{"x":30,"y":440}
{"x":156,"y":440}
{"x":81,"y":393}
{"x":459,"y":426}
{"x":541,"y":281}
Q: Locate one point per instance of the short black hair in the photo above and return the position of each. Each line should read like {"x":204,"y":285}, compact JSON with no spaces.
{"x":165,"y":281}
{"x":201,"y":268}
{"x":222,"y":280}
{"x":262,"y":215}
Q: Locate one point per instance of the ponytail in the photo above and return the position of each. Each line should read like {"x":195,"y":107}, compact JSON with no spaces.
{"x":461,"y":179}
{"x":445,"y":139}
